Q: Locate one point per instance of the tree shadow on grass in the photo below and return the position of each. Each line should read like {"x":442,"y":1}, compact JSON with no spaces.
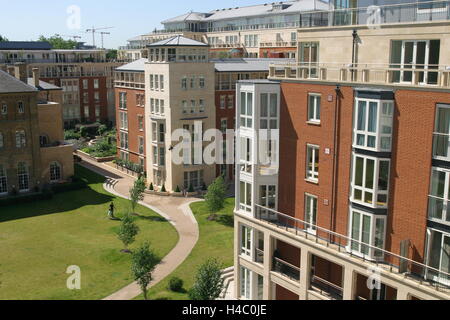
{"x":151,"y":218}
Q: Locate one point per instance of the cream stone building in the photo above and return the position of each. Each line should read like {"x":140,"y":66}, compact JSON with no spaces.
{"x":179,"y":86}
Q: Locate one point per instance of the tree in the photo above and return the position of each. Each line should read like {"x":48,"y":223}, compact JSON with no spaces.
{"x":127,"y":232}
{"x":3,"y":38}
{"x":215,"y":197}
{"x":111,"y":54}
{"x":58,"y":42}
{"x":137,"y":193}
{"x":208,"y":281}
{"x":143,"y":263}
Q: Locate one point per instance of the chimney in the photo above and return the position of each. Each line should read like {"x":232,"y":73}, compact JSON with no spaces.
{"x":11,"y":70}
{"x":36,"y":77}
{"x":21,"y":71}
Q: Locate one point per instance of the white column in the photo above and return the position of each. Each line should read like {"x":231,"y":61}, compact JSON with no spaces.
{"x":237,"y":267}
{"x":402,"y":294}
{"x":268,"y":252}
{"x":305,"y":273}
{"x":348,"y":282}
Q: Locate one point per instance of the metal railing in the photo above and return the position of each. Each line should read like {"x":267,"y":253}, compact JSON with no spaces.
{"x":326,"y":288}
{"x":279,"y":44}
{"x":374,"y":73}
{"x":376,"y":256}
{"x":286,"y":269}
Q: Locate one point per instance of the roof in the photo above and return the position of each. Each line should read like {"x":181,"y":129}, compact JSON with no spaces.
{"x":25,"y":45}
{"x":136,"y":66}
{"x":178,"y":41}
{"x":10,"y":84}
{"x":286,"y":7}
{"x":245,"y":65}
{"x":190,"y":16}
{"x":43,"y":85}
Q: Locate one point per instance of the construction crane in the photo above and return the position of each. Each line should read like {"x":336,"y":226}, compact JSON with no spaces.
{"x":104,"y":33}
{"x":94,"y":30}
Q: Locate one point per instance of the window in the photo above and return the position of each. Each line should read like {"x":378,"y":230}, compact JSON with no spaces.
{"x":122,"y":100}
{"x":245,"y":289}
{"x":224,"y":125}
{"x":184,"y":106}
{"x":246,"y":158}
{"x":439,"y":199}
{"x":311,"y":213}
{"x":20,"y":107}
{"x":370,"y":183}
{"x":194,"y":179}
{"x":193,"y":82}
{"x":156,"y":82}
{"x":373,"y":127}
{"x":2,"y":142}
{"x":123,"y":116}
{"x":230,"y":102}
{"x":96,"y":84}
{"x":152,"y":105}
{"x":141,"y":145}
{"x":268,"y":197}
{"x":184,"y":83}
{"x":161,"y":82}
{"x":3,"y":180}
{"x":246,"y":241}
{"x":161,"y":106}
{"x":438,"y":255}
{"x":309,"y":58}
{"x":152,"y":85}
{"x":124,"y":140}
{"x":162,"y":157}
{"x":269,"y":111}
{"x":55,"y":172}
{"x":97,"y":112}
{"x":141,"y":123}
{"x":246,"y":112}
{"x":85,"y":84}
{"x":245,"y":196}
{"x":86,"y":111}
{"x":312,"y":163}
{"x":441,"y":141}
{"x":192,"y":106}
{"x":22,"y":175}
{"x":201,"y":105}
{"x":4,"y":109}
{"x":367,"y":229}
{"x":201,"y":82}
{"x":96,"y":96}
{"x":314,"y":101}
{"x":157,"y":105}
{"x":162,"y":133}
{"x":222,"y":102}
{"x":21,"y":139}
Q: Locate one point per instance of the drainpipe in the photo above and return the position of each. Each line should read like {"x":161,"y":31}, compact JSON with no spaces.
{"x":335,"y":158}
{"x":354,"y":53}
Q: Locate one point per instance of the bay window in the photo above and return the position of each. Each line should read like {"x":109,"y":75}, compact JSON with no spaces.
{"x":373,"y":125}
{"x":367,"y":230}
{"x":438,"y":203}
{"x":269,"y":111}
{"x":370,"y":181}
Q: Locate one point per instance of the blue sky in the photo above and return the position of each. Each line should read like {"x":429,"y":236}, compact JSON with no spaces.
{"x":130,"y":18}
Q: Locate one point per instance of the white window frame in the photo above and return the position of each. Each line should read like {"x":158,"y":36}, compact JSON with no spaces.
{"x":4,"y":110}
{"x":311,"y":152}
{"x":55,"y":176}
{"x":21,"y":139}
{"x":3,"y":180}
{"x":20,"y":107}
{"x":315,"y":106}
{"x":355,"y":247}
{"x":23,"y":178}
{"x":312,"y":203}
{"x":445,"y":200}
{"x":428,"y":254}
{"x":246,"y":241}
{"x":246,"y":205}
{"x":375,"y":191}
{"x":383,"y":122}
{"x":246,"y":112}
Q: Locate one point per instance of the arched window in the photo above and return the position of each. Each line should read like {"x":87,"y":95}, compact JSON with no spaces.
{"x":43,"y":140}
{"x":55,"y":172}
{"x":21,"y":141}
{"x":23,"y":177}
{"x":2,"y":142}
{"x":3,"y":181}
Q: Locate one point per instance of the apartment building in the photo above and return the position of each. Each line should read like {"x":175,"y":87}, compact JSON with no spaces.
{"x":130,"y":102}
{"x":349,"y":200}
{"x":85,"y":75}
{"x":32,"y":151}
{"x":267,"y":30}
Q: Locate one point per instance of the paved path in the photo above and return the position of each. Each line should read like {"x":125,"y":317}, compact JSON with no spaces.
{"x":175,"y":210}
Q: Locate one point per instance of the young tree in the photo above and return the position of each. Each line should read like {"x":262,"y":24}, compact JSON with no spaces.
{"x":215,"y":198}
{"x":58,"y":42}
{"x":144,"y":262}
{"x":127,"y":232}
{"x":208,"y":281}
{"x":137,"y":192}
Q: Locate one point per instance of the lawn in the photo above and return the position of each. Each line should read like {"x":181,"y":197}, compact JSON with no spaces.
{"x":216,"y":241}
{"x":38,"y":241}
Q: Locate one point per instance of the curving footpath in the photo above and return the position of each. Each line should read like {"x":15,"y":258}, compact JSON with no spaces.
{"x":175,"y":210}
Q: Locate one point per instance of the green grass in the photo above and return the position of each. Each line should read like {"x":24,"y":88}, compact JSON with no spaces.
{"x":216,"y":241}
{"x":38,"y":241}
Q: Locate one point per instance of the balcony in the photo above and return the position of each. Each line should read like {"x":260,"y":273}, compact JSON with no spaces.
{"x":278,"y":44}
{"x":419,"y":75}
{"x":225,"y":45}
{"x":286,"y":269}
{"x":326,"y":288}
{"x":342,"y":245}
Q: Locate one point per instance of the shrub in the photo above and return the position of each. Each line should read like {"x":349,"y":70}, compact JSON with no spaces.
{"x":151,"y":188}
{"x":215,"y":198}
{"x":163,"y":189}
{"x":102,"y":129}
{"x":83,"y":131}
{"x":191,"y":188}
{"x":208,"y":281}
{"x":175,"y":284}
{"x":71,"y":135}
{"x":178,"y":189}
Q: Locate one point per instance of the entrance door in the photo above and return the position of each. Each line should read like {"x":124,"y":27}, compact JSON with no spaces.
{"x":309,"y":58}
